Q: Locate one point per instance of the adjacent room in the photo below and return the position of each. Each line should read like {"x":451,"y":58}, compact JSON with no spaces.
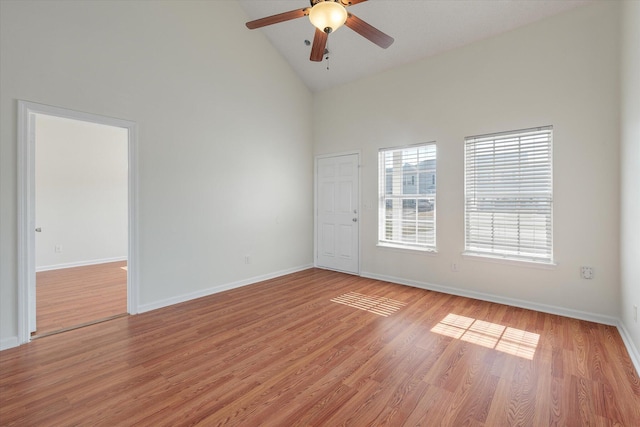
{"x":437,"y":224}
{"x":81,"y":193}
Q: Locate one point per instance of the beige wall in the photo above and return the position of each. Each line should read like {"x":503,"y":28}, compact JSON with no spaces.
{"x":225,"y":156}
{"x":81,"y":192}
{"x":562,"y":71}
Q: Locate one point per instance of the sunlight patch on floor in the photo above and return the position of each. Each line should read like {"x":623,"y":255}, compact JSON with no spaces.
{"x":492,"y":335}
{"x":381,"y":306}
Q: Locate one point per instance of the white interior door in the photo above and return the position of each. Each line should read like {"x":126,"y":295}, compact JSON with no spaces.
{"x":337,"y":220}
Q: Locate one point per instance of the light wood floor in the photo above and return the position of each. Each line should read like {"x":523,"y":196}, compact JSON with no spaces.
{"x":71,"y":297}
{"x":282,"y":353}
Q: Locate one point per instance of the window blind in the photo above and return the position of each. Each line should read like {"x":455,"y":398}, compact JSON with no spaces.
{"x":407,"y":189}
{"x":508,"y":194}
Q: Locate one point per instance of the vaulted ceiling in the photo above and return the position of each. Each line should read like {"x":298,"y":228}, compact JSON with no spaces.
{"x":421,"y":28}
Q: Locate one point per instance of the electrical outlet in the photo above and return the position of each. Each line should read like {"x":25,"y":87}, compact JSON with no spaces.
{"x":247,"y":259}
{"x":57,"y":248}
{"x":635,"y":313}
{"x":454,"y":267}
{"x":586,"y":272}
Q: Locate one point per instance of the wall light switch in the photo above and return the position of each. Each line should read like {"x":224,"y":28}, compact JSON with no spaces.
{"x":586,"y":272}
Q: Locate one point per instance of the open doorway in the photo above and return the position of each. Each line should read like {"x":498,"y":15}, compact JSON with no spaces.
{"x":81,"y":174}
{"x":77,"y":174}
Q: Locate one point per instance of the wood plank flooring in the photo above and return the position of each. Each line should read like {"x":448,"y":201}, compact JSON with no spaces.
{"x":70,"y":297}
{"x":282,"y":353}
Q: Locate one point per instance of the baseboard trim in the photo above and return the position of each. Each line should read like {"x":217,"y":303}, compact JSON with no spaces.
{"x":220,"y":288}
{"x":7,"y":343}
{"x":631,"y":348}
{"x":551,"y":309}
{"x":79,"y":264}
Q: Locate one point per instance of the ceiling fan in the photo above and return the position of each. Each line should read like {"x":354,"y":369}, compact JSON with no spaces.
{"x":327,"y":16}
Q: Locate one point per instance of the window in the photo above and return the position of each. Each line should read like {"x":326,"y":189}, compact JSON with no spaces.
{"x":407,"y":189}
{"x":508,"y":195}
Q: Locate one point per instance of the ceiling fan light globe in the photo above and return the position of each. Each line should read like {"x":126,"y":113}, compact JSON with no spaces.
{"x":328,"y":16}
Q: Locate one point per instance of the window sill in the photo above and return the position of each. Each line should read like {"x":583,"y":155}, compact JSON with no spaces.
{"x":428,"y":251}
{"x":512,"y":261}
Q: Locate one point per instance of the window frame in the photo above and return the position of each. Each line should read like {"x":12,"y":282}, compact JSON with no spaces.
{"x":519,"y":254}
{"x":429,"y":195}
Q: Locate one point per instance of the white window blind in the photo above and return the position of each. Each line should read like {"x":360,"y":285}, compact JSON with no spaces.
{"x":407,"y":190}
{"x":508,"y":195}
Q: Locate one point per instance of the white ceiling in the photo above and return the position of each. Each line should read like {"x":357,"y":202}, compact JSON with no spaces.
{"x":421,"y":28}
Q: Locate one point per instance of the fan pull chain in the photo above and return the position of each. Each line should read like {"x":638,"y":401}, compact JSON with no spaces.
{"x":327,"y":54}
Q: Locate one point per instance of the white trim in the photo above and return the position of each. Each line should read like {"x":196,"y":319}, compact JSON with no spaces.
{"x":26,"y":205}
{"x":496,"y":259}
{"x":511,"y":132}
{"x":340,"y":154}
{"x":405,"y":248}
{"x":26,"y":253}
{"x":133,"y":277}
{"x":634,"y":354}
{"x":219,"y":288}
{"x":79,"y":264}
{"x":551,"y":309}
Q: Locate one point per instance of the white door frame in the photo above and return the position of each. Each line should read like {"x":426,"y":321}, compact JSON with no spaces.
{"x":26,"y":206}
{"x":315,"y":204}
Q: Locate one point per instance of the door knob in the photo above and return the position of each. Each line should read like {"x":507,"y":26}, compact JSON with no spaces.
{"x":39,"y":230}
{"x":355,"y":220}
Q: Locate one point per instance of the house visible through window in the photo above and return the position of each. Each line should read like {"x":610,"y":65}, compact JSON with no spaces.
{"x":407,"y":189}
{"x":508,"y":195}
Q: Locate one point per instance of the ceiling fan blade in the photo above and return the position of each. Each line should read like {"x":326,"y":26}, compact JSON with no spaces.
{"x":348,"y":3}
{"x":280,"y":17}
{"x":319,"y":44}
{"x":368,"y":32}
